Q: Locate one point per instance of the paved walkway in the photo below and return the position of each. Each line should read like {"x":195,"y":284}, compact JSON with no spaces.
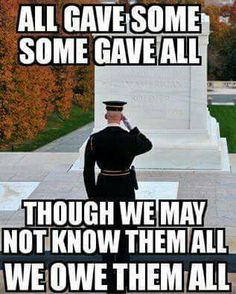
{"x":222,"y":96}
{"x":52,"y":170}
{"x":69,"y":143}
{"x":222,"y":91}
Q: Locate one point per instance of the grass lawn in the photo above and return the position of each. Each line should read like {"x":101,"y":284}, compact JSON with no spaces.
{"x":56,"y":128}
{"x":226,"y":116}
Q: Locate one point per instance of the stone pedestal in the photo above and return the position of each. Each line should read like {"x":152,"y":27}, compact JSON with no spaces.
{"x":169,"y":105}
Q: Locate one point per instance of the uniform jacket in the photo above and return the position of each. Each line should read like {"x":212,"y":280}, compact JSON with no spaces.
{"x":113,"y":148}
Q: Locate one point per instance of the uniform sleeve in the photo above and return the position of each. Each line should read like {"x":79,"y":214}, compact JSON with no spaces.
{"x":89,"y":172}
{"x":142,"y":143}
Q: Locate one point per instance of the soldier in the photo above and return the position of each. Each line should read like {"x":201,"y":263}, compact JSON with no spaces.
{"x":114,"y":149}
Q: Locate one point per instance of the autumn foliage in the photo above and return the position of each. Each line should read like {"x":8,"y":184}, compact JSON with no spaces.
{"x":26,"y":94}
{"x":29,"y":95}
{"x":172,"y":1}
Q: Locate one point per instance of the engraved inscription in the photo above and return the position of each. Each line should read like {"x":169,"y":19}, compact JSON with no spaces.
{"x":161,"y":84}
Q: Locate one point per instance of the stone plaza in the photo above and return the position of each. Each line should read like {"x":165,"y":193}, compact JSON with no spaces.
{"x":49,"y":176}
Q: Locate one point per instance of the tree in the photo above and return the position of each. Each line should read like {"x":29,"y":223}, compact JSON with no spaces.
{"x":29,"y":95}
{"x":221,"y":41}
{"x":84,"y":89}
{"x":25,"y":93}
{"x":228,"y":53}
{"x":202,"y":2}
{"x":233,"y":14}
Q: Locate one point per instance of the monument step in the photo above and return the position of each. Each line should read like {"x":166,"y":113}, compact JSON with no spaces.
{"x":178,"y":157}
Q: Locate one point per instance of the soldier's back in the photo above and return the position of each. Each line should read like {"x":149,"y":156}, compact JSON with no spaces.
{"x":113,"y":148}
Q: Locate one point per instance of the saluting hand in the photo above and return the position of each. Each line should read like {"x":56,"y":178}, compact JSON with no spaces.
{"x":126,"y":123}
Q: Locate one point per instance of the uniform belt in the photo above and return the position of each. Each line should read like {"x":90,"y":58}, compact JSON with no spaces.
{"x":115,"y":173}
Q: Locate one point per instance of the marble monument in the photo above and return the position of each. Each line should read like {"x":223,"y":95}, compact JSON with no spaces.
{"x":169,"y":105}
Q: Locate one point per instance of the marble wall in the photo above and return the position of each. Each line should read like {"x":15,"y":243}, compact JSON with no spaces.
{"x":169,"y":104}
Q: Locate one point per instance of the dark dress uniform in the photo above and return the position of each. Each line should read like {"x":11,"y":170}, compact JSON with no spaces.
{"x":113,"y":149}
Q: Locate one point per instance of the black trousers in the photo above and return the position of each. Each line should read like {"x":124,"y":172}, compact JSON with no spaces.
{"x":116,"y":189}
{"x":122,"y":256}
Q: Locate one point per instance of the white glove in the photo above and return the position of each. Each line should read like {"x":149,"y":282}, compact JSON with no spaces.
{"x":126,"y":123}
